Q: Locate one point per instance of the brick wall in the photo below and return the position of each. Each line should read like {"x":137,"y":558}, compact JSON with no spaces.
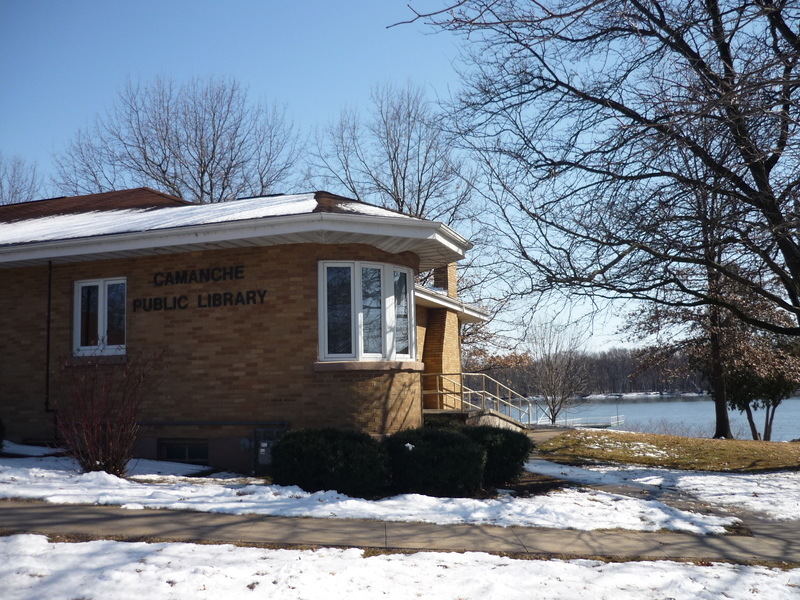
{"x":446,"y":278}
{"x":23,"y":335}
{"x":238,"y":365}
{"x":441,"y":350}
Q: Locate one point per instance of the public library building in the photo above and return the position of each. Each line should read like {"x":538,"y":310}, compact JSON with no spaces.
{"x":266,"y":314}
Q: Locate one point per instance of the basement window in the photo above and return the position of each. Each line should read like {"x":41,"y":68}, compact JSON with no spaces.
{"x":191,"y":451}
{"x":99,"y":317}
{"x":366,"y":312}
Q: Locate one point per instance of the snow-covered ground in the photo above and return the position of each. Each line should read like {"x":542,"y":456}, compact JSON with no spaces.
{"x":33,"y":568}
{"x":771,"y":495}
{"x":57,"y":480}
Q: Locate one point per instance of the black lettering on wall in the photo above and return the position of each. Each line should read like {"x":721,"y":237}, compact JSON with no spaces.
{"x":204,"y":275}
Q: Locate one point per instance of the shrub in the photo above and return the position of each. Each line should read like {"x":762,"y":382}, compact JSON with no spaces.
{"x":506,"y":453}
{"x":349,"y":462}
{"x":445,"y":420}
{"x":435,"y":461}
{"x":97,"y":413}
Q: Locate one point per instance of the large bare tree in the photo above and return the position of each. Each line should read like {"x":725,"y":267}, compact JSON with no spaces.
{"x":203,"y":140}
{"x":19,"y":180}
{"x":586,"y":115}
{"x":399,"y":156}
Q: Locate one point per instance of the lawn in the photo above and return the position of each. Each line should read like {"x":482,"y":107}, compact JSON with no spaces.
{"x":586,"y":446}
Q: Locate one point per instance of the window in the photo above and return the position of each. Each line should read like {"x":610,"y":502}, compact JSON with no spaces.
{"x":99,"y":321}
{"x":194,"y":452}
{"x":366,"y":312}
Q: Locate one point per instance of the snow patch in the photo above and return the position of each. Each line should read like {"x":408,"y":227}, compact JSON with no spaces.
{"x":33,"y":568}
{"x":57,"y":480}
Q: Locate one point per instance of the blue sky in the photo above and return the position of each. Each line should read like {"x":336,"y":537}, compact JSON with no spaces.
{"x":61,"y":62}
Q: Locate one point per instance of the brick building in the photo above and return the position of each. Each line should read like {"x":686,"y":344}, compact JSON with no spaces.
{"x":265,"y":313}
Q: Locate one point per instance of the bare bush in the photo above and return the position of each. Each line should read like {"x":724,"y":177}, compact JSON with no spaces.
{"x":97,"y":415}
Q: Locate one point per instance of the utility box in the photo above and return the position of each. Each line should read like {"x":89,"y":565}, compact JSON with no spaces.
{"x":264,"y":439}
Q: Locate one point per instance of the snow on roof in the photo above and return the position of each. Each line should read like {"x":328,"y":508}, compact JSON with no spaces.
{"x":116,"y":200}
{"x":105,"y":222}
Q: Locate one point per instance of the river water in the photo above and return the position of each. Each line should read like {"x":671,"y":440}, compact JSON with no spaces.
{"x":685,"y":415}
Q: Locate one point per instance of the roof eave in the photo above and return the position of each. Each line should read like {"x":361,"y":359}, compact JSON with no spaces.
{"x":436,"y":243}
{"x":467,"y":313}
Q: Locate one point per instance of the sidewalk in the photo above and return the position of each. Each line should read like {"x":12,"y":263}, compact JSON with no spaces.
{"x":770,"y":542}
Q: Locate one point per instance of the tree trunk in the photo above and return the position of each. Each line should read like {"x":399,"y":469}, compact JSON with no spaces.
{"x":768,"y":418}
{"x":752,"y":422}
{"x":718,"y":393}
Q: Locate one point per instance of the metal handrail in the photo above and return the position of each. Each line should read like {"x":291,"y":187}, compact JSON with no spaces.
{"x":488,"y":394}
{"x":613,"y":421}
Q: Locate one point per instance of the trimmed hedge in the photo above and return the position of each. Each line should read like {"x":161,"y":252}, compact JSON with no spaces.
{"x":431,"y":460}
{"x":506,"y":453}
{"x":350,"y":462}
{"x":435,"y":461}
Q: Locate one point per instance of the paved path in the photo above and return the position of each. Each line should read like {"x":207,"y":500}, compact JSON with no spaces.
{"x":542,"y":433}
{"x":770,"y":542}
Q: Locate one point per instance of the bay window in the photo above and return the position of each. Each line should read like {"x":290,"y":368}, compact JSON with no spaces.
{"x":366,"y":311}
{"x":99,"y":317}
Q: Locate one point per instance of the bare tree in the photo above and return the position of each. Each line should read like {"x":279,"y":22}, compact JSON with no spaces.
{"x":203,"y":140}
{"x":399,"y":157}
{"x":585,"y":115}
{"x":557,"y":369}
{"x":19,"y":180}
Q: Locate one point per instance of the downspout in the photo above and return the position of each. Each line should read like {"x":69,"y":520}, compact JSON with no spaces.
{"x":47,"y":407}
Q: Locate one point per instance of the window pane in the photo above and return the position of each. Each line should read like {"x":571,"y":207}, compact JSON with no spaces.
{"x":339,"y":303}
{"x":401,"y":314}
{"x":88,"y":324}
{"x":116,"y":314}
{"x":371,"y":298}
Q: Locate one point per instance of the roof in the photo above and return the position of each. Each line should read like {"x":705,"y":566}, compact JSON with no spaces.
{"x":139,"y":198}
{"x":143,"y":222}
{"x":467,"y":313}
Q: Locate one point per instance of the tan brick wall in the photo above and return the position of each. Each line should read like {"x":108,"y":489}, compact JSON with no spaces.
{"x":422,"y":327}
{"x":23,"y":335}
{"x":442,"y":346}
{"x":232,"y":364}
{"x":442,"y":354}
{"x":446,"y":278}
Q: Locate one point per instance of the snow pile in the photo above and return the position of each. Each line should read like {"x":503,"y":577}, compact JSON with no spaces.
{"x":32,"y":568}
{"x":56,"y":480}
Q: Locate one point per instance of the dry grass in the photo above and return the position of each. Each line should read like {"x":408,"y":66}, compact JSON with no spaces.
{"x":694,"y":454}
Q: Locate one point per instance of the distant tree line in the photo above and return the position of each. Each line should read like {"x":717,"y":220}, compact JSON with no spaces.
{"x":613,"y":371}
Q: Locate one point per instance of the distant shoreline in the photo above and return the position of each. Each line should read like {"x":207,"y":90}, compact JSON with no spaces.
{"x":646,"y":397}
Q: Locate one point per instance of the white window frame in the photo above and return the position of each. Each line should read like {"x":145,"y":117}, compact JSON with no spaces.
{"x":102,"y":348}
{"x":357,"y":315}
